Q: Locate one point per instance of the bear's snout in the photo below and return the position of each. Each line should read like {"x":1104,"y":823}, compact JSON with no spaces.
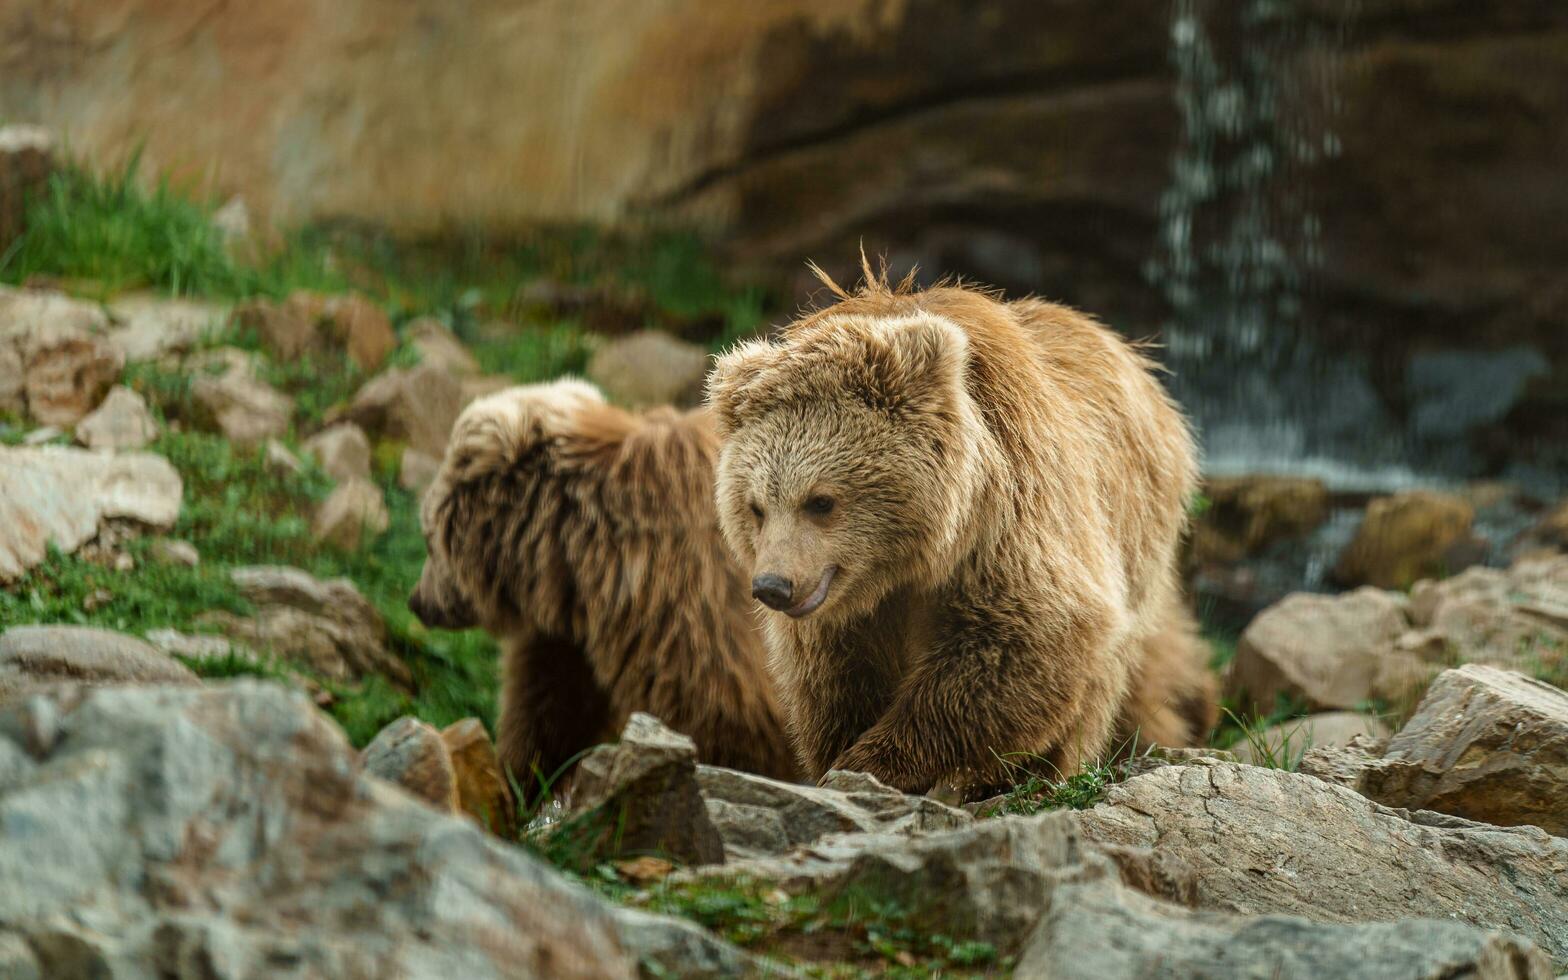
{"x":773,"y":591}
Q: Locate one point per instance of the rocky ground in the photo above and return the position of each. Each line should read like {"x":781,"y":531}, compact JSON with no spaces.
{"x":227,"y":749}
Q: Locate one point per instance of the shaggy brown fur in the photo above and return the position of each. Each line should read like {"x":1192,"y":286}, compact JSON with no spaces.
{"x":974,"y":507}
{"x":584,"y":538}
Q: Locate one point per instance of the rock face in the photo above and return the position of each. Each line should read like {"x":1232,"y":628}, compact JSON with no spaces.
{"x":650,"y":368}
{"x":35,"y":658}
{"x":1262,"y":841}
{"x":1404,"y":538}
{"x":62,"y":496}
{"x":640,"y":796}
{"x":1485,"y":744}
{"x":757,"y":816}
{"x":353,"y":512}
{"x":412,"y":405}
{"x":324,"y":626}
{"x":1136,"y":936}
{"x":1333,"y":652}
{"x":342,"y":451}
{"x":229,"y":830}
{"x":122,"y":421}
{"x":411,"y":754}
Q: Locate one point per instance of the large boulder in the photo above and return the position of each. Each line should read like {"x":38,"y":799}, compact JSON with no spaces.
{"x":1405,"y":538}
{"x":640,"y":796}
{"x":61,"y":496}
{"x":1330,"y":653}
{"x":121,"y":421}
{"x":35,"y":658}
{"x":1262,"y":841}
{"x":1096,"y":928}
{"x":230,"y":831}
{"x":326,"y":627}
{"x":1484,"y":744}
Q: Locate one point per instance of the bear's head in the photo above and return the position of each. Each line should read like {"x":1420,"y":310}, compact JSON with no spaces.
{"x":478,"y":529}
{"x":849,"y":459}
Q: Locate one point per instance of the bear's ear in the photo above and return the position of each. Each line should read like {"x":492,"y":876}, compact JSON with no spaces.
{"x":732,"y":380}
{"x":917,"y":365}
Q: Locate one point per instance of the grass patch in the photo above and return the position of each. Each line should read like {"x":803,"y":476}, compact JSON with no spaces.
{"x":1036,"y":794}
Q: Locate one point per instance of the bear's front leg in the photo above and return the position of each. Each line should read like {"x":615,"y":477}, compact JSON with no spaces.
{"x":990,"y":698}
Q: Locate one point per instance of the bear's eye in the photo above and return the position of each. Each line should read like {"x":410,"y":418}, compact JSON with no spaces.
{"x":756,"y":511}
{"x":819,"y":505}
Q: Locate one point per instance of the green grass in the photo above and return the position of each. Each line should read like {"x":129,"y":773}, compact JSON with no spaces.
{"x":1035,"y":793}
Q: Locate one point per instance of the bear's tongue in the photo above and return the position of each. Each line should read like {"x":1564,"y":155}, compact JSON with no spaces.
{"x":811,"y":602}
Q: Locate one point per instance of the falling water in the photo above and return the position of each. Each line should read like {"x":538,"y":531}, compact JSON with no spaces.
{"x":1239,"y":242}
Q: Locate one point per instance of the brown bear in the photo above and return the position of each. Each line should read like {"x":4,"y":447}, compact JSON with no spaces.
{"x":964,"y":514}
{"x":584,"y":539}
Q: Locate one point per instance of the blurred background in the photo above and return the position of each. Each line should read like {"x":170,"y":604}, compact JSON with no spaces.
{"x":1344,"y":222}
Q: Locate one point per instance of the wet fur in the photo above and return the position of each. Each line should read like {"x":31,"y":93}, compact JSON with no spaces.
{"x":584,"y":538}
{"x":1015,"y":486}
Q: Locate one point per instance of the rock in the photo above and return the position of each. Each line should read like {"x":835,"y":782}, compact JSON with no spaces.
{"x":438,"y":346}
{"x":353,"y":512}
{"x":1330,"y":653}
{"x":1246,"y":514}
{"x":147,"y":326}
{"x":362,"y":328}
{"x":1484,"y":744}
{"x":343,"y":451}
{"x":167,"y":551}
{"x":1263,"y":841}
{"x":482,"y":790}
{"x":232,"y":222}
{"x":280,"y":459}
{"x":1551,"y":531}
{"x":415,"y":405}
{"x":26,"y":163}
{"x":411,"y":754}
{"x":417,"y":470}
{"x":61,"y":496}
{"x":326,"y":627}
{"x":54,"y":358}
{"x":121,"y":421}
{"x":230,"y":830}
{"x":485,"y":384}
{"x":198,"y":646}
{"x":1287,"y":742}
{"x":757,"y":816}
{"x":1484,"y":615}
{"x":1343,"y":764}
{"x":1137,"y":936}
{"x":641,"y":796}
{"x":43,"y":436}
{"x":1406,"y":537}
{"x":650,"y":368}
{"x":34,"y":658}
{"x":247,"y":410}
{"x":287,"y":330}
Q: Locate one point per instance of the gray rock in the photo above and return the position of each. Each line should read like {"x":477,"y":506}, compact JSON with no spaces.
{"x":417,"y":470}
{"x":121,"y":421}
{"x":440,"y":347}
{"x":650,"y":368}
{"x":230,"y":831}
{"x":353,"y":512}
{"x":412,"y":754}
{"x":247,"y":410}
{"x":416,"y":406}
{"x":1263,"y":841}
{"x":147,"y":326}
{"x":342,"y":451}
{"x":327,"y":627}
{"x":1097,"y":928}
{"x":54,"y":357}
{"x":640,"y":796}
{"x":61,"y":496}
{"x":1485,"y":744}
{"x":757,"y":816}
{"x":35,"y":658}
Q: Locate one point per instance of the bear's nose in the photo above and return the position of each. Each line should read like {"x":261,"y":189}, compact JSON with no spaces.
{"x":773,"y":591}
